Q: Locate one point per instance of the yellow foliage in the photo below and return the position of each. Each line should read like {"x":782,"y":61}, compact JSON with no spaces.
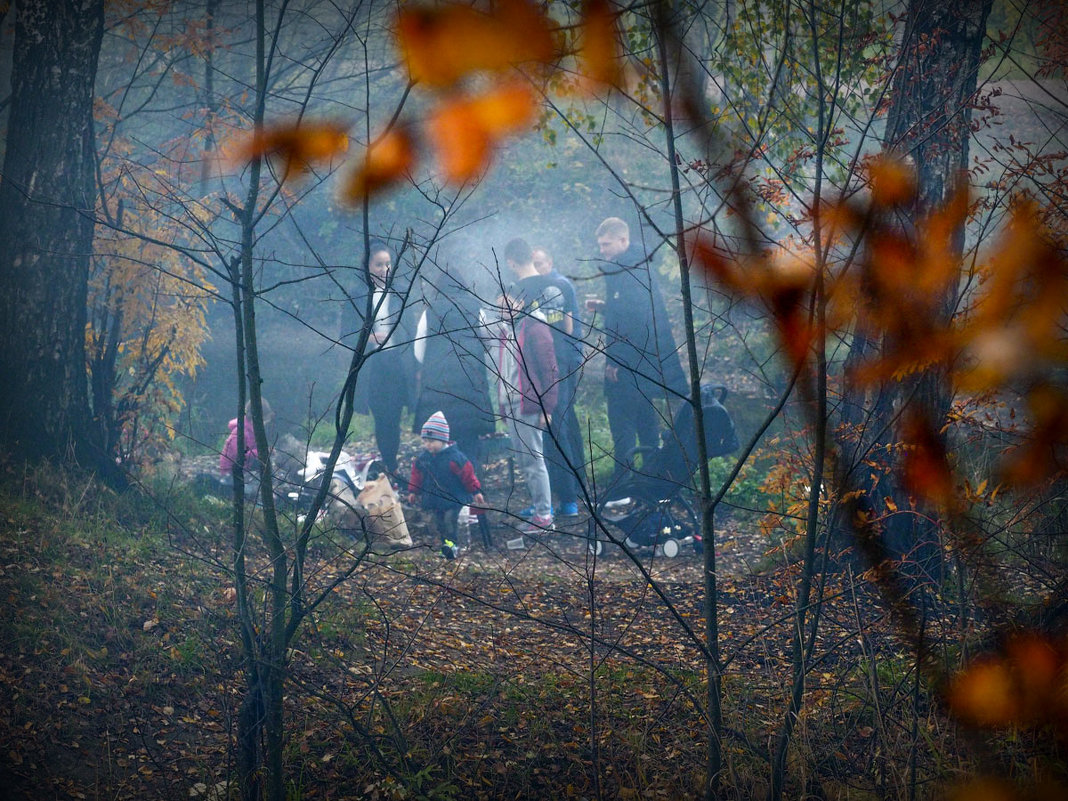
{"x":146,"y":326}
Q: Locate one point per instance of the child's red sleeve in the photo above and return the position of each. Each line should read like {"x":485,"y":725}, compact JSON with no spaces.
{"x":466,"y":472}
{"x":415,"y":480}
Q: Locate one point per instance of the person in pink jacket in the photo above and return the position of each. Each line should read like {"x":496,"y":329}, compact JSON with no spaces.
{"x":228,"y":457}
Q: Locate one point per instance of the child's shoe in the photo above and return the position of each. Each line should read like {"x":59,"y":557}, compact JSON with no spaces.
{"x":449,"y":549}
{"x":569,"y":509}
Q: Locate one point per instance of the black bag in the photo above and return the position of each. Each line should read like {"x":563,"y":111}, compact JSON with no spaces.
{"x":720,"y":436}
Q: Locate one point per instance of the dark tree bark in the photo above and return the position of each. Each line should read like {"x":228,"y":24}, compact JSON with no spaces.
{"x":46,"y":229}
{"x":929,"y":123}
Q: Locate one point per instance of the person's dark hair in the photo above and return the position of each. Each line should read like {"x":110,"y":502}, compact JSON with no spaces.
{"x":377,"y":246}
{"x":518,"y":251}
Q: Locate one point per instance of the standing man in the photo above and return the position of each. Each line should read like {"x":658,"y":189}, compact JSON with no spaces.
{"x":642,"y":363}
{"x":564,"y":450}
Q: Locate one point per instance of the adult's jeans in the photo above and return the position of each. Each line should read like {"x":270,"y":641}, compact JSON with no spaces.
{"x":526,"y":435}
{"x":564,"y":450}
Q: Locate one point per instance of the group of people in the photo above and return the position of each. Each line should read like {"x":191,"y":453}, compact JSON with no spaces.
{"x":536,"y":339}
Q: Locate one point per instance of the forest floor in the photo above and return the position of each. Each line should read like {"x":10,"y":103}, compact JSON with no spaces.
{"x":503,"y":674}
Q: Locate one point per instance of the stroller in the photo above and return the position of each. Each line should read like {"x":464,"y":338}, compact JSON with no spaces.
{"x":351,"y":471}
{"x":652,"y":505}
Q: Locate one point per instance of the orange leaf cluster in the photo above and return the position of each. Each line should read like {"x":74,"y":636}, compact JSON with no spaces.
{"x":902,"y":295}
{"x":925,"y":469}
{"x":444,"y":44}
{"x":782,"y":284}
{"x":1016,"y":330}
{"x":387,"y":160}
{"x":1024,"y":684}
{"x":600,"y":60}
{"x":299,"y":146}
{"x":901,"y":291}
{"x":465,"y":132}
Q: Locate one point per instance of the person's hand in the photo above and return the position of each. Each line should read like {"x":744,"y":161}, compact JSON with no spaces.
{"x":477,"y":500}
{"x":611,"y":373}
{"x":411,"y":499}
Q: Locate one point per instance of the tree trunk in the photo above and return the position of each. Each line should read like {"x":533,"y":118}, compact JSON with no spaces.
{"x":47,"y":198}
{"x":929,"y":123}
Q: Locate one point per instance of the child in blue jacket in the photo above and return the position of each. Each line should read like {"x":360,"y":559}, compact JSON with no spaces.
{"x":443,"y":480}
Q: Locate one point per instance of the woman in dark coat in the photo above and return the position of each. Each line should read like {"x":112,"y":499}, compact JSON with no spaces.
{"x":386,"y":382}
{"x":452,"y":377}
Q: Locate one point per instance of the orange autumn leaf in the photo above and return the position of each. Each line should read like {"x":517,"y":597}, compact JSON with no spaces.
{"x":299,"y":146}
{"x":705,"y":255}
{"x":1022,"y":684}
{"x":387,"y":160}
{"x":1016,"y":330}
{"x":444,"y":44}
{"x":938,"y":265}
{"x":782,"y":283}
{"x":598,"y":51}
{"x":464,"y":132}
{"x":925,"y":471}
{"x":984,"y":789}
{"x":893,"y":182}
{"x":1038,"y":667}
{"x":984,"y":694}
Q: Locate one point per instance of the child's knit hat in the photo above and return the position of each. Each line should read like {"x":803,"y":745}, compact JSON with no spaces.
{"x":436,"y":427}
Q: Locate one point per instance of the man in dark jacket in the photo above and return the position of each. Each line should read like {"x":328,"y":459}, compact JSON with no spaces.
{"x":642,"y":362}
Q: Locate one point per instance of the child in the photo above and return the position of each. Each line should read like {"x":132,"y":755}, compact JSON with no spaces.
{"x":443,"y":480}
{"x":250,"y":465}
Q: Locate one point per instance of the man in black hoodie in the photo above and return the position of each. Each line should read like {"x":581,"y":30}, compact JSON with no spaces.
{"x":642,"y":362}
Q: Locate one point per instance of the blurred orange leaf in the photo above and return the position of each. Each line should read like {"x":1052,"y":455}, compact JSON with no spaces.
{"x":299,"y":146}
{"x":1038,"y":669}
{"x":1022,"y":683}
{"x":893,"y":182}
{"x":926,"y":472}
{"x":465,"y":131}
{"x":783,"y":283}
{"x":984,"y":694}
{"x":598,"y":50}
{"x":984,"y":789}
{"x":1016,"y":330}
{"x":387,"y":160}
{"x":443,"y":44}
